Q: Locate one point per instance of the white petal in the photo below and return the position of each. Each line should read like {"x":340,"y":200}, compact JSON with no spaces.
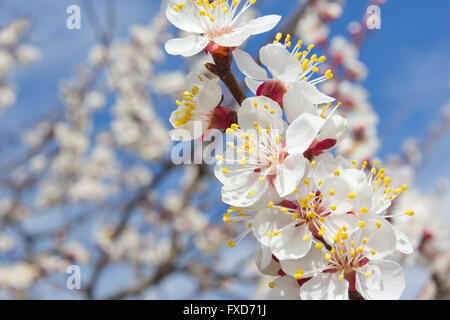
{"x":386,"y":282}
{"x":313,"y":261}
{"x":286,"y":288}
{"x":188,"y":46}
{"x":210,"y":95}
{"x":248,"y":66}
{"x":234,"y":175}
{"x":334,"y":128}
{"x":342,"y":162}
{"x":193,"y":79}
{"x":325,"y":286}
{"x":280,"y":62}
{"x":342,"y":188}
{"x":289,"y":174}
{"x":295,"y":104}
{"x":302,"y":132}
{"x":325,"y":166}
{"x":403,"y":243}
{"x":356,"y":177}
{"x":184,"y":19}
{"x":261,"y":24}
{"x":312,"y":93}
{"x":296,"y":248}
{"x":268,"y":221}
{"x":264,"y":261}
{"x":253,"y":85}
{"x":270,"y":195}
{"x":246,"y":194}
{"x":233,"y":39}
{"x":383,"y":240}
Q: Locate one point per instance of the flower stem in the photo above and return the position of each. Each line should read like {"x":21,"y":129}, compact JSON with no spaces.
{"x":222,"y":68}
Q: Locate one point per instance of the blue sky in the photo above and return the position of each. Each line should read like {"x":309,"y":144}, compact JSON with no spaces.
{"x":408,"y":62}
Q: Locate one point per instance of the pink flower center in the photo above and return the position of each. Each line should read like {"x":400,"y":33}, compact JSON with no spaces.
{"x":273,"y":89}
{"x":317,"y":147}
{"x":218,"y":118}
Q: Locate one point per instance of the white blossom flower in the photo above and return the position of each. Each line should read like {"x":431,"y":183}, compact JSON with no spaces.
{"x":334,"y":130}
{"x":268,"y":160}
{"x":288,"y":228}
{"x":371,"y":194}
{"x":332,"y":192}
{"x":199,"y":109}
{"x":284,"y":288}
{"x":290,"y":231}
{"x":217,"y":22}
{"x":291,"y":70}
{"x":349,"y":264}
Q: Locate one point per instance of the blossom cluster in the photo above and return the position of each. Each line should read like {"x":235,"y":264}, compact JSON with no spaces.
{"x":13,"y":52}
{"x":322,"y":222}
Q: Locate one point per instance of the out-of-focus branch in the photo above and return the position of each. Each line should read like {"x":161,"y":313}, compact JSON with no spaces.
{"x":438,"y":286}
{"x":162,"y":271}
{"x":106,"y":34}
{"x":168,"y":266}
{"x":126,"y":214}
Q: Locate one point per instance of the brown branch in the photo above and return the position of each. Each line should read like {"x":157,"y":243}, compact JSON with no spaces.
{"x":126,"y":214}
{"x":233,"y":85}
{"x":221,"y":67}
{"x":438,"y":286}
